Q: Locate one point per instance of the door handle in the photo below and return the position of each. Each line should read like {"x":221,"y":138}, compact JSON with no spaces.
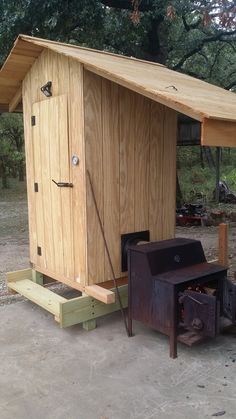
{"x":63,"y":184}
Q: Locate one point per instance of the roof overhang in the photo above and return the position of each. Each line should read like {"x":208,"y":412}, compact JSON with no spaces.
{"x":214,"y":107}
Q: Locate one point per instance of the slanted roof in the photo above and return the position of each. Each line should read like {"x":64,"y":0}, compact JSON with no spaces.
{"x":211,"y":105}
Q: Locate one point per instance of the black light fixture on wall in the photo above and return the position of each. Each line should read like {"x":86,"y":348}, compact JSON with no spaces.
{"x":46,"y":89}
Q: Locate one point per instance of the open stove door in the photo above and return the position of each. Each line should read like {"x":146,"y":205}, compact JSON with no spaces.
{"x":229,"y":300}
{"x":200,"y":312}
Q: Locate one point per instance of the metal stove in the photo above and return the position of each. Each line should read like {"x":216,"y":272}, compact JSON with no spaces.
{"x":174,"y":290}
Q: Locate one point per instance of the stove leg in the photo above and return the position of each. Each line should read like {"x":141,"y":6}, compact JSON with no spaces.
{"x":173,"y":344}
{"x":173,"y":329}
{"x":130,"y":325}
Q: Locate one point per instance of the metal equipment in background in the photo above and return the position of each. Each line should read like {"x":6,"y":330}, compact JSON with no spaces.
{"x":174,"y":290}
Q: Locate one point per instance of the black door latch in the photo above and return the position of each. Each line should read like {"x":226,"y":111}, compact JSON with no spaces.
{"x":63,"y":184}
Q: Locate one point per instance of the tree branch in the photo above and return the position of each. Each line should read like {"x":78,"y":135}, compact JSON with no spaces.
{"x":219,"y":37}
{"x":189,"y":26}
{"x":231,"y":85}
{"x":144,"y":6}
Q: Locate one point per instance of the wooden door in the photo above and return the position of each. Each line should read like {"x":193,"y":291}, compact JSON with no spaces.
{"x":53,"y":203}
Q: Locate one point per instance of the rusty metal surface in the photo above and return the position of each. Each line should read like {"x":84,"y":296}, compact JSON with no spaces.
{"x":200,"y":272}
{"x":162,"y":271}
{"x":200,"y":313}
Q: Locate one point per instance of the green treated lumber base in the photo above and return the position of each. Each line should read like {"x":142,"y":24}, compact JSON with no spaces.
{"x":89,"y":325}
{"x":84,"y":309}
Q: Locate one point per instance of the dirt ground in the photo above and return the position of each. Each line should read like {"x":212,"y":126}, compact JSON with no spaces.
{"x":14,"y":243}
{"x":128,"y":378}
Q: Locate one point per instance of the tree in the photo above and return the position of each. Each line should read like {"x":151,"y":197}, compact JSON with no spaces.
{"x":12,"y":159}
{"x":192,"y":36}
{"x":197,"y":37}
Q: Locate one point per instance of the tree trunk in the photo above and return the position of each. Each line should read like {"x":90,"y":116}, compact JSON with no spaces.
{"x":201,"y":157}
{"x":21,"y":172}
{"x":5,"y":184}
{"x":155,"y":51}
{"x":179,"y":196}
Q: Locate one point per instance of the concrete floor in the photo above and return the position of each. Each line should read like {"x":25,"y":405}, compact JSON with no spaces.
{"x":49,"y":373}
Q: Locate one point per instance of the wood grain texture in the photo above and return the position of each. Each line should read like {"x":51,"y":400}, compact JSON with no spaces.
{"x":101,"y":294}
{"x":156,"y":171}
{"x":43,"y":123}
{"x":29,"y":156}
{"x":60,"y":65}
{"x":38,"y":197}
{"x":141,"y":163}
{"x":94,"y":164}
{"x":127,"y":104}
{"x":78,"y":177}
{"x":169,"y":173}
{"x":15,"y":100}
{"x":111,"y":174}
{"x":218,"y":133}
{"x":56,"y":129}
{"x":41,"y":296}
{"x":189,"y":95}
{"x":127,"y":143}
{"x":48,"y":66}
{"x":223,"y":257}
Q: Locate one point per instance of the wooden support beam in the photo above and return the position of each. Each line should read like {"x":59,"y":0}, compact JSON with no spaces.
{"x":19,"y":275}
{"x":89,"y":325}
{"x":223,"y":244}
{"x":39,"y":295}
{"x":82,"y":309}
{"x":218,"y":133}
{"x":104,"y":295}
{"x":37,"y":277}
{"x":15,"y":100}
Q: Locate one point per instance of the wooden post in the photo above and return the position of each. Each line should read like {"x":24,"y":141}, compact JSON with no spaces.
{"x":89,"y":325}
{"x":217,"y":195}
{"x":37,"y":277}
{"x":223,"y":244}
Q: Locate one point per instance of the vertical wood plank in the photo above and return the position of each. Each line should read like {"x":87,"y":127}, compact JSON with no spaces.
{"x":110,"y":117}
{"x":169,"y":173}
{"x":156,"y":171}
{"x":29,"y":156}
{"x":94,"y":163}
{"x":223,"y":244}
{"x":45,"y":74}
{"x":60,"y":66}
{"x":77,"y":148}
{"x":40,"y":260}
{"x":54,"y":146}
{"x":44,"y":126}
{"x":127,"y":168}
{"x":141,"y":172}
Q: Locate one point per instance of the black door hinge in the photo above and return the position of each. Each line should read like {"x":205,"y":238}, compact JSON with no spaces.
{"x":36,"y":187}
{"x":33,"y":120}
{"x":39,"y":251}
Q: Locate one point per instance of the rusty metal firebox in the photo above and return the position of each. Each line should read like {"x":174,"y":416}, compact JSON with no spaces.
{"x":174,"y":290}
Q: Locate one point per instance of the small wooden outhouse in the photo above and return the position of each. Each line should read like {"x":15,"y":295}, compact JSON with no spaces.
{"x":113,"y":117}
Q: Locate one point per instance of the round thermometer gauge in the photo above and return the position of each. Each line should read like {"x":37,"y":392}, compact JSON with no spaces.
{"x":75,"y":160}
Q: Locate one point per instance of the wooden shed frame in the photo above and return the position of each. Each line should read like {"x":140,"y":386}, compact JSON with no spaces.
{"x":117,"y":117}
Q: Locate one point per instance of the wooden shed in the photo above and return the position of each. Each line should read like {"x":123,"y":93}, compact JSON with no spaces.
{"x":116,"y":118}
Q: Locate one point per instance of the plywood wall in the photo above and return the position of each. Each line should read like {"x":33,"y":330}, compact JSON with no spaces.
{"x":126,"y":141}
{"x":130,"y":150}
{"x":67,"y":78}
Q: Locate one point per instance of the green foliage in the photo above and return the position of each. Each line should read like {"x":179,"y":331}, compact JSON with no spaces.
{"x":197,"y":37}
{"x":12,"y":159}
{"x":230,"y":177}
{"x":195,"y":179}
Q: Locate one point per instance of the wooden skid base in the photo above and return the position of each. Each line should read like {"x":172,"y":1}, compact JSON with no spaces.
{"x":82,"y":309}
